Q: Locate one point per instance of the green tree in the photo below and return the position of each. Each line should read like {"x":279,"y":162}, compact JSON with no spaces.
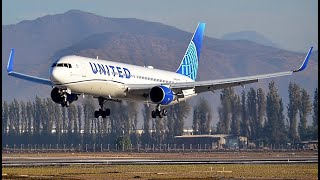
{"x":37,"y":116}
{"x":244,"y":119}
{"x":275,"y":126}
{"x":305,"y":109}
{"x":14,"y":116}
{"x":5,"y":118}
{"x":88,"y":115}
{"x":252,"y":113}
{"x":293,"y":107}
{"x":225,"y":110}
{"x":132,"y":115}
{"x":58,"y":121}
{"x":123,"y":142}
{"x":315,"y":115}
{"x":30,"y":117}
{"x":261,"y":103}
{"x":180,"y":113}
{"x":204,"y":115}
{"x":72,"y":115}
{"x":236,"y":115}
{"x":146,"y":137}
{"x":24,"y":120}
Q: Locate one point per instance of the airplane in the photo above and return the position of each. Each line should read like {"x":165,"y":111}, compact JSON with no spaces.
{"x":71,"y":76}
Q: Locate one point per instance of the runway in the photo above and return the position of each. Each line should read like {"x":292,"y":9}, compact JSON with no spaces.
{"x":62,"y":161}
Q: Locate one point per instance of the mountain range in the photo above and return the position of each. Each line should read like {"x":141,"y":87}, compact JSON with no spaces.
{"x":250,"y":36}
{"x":41,"y":41}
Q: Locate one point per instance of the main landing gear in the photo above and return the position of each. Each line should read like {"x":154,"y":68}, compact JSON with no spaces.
{"x":159,"y":112}
{"x":101,"y":112}
{"x":65,"y":102}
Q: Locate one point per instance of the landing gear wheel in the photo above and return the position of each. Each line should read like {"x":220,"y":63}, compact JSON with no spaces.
{"x":65,"y":104}
{"x":101,"y":112}
{"x":164,"y":112}
{"x":159,"y":113}
{"x":108,"y":112}
{"x":153,"y":114}
{"x":96,"y":114}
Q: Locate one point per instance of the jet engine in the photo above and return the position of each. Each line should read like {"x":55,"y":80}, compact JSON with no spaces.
{"x":161,"y":95}
{"x":58,"y":96}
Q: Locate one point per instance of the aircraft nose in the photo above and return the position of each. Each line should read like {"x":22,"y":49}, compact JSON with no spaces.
{"x":56,"y":76}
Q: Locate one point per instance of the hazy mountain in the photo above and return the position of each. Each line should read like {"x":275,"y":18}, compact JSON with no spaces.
{"x":249,"y":36}
{"x":39,"y":42}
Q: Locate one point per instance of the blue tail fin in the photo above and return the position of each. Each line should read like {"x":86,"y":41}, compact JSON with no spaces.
{"x":189,"y":63}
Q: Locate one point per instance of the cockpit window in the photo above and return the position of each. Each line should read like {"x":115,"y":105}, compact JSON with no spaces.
{"x":62,"y":65}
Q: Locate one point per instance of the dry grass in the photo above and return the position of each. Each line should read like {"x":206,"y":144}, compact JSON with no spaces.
{"x":250,"y":171}
{"x":172,"y":155}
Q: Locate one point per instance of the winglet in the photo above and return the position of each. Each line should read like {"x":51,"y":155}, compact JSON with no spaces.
{"x":305,"y":62}
{"x":10,"y":61}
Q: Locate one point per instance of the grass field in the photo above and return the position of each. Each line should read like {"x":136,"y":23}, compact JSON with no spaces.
{"x":225,"y":171}
{"x":192,"y":171}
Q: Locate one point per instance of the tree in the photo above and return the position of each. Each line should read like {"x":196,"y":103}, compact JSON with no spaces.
{"x":5,"y":117}
{"x":79,"y":114}
{"x":88,"y":112}
{"x":37,"y":106}
{"x":72,"y":115}
{"x":123,"y":142}
{"x":145,"y":137}
{"x":30,"y":117}
{"x":195,"y":121}
{"x":132,"y":115}
{"x":305,"y":109}
{"x":293,"y":107}
{"x":24,"y":119}
{"x":261,"y":103}
{"x":252,"y":113}
{"x":14,"y":116}
{"x":275,"y":126}
{"x":236,"y":115}
{"x":180,"y":112}
{"x":315,"y":115}
{"x":225,"y":110}
{"x":204,"y":116}
{"x":244,"y":131}
{"x":58,"y":121}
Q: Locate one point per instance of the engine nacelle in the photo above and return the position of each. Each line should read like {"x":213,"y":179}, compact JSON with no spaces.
{"x":57,"y":96}
{"x":161,"y":95}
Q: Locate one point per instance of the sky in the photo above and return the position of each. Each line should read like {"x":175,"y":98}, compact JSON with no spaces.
{"x":291,"y":24}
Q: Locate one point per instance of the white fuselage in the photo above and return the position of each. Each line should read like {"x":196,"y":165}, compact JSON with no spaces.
{"x":109,"y":79}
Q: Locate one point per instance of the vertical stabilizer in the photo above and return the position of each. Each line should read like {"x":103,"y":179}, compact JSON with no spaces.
{"x":190,"y":61}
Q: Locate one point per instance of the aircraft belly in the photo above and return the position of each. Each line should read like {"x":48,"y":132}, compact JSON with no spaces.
{"x":98,"y":88}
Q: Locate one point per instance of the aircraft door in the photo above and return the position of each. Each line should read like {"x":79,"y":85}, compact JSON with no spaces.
{"x":83,"y":70}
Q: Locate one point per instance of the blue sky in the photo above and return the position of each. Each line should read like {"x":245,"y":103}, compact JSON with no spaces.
{"x":292,"y":24}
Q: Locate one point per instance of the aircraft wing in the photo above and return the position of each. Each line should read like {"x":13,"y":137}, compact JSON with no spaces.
{"x":24,"y":76}
{"x":211,"y":85}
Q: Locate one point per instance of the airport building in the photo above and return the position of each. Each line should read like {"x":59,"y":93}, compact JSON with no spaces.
{"x":215,"y":141}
